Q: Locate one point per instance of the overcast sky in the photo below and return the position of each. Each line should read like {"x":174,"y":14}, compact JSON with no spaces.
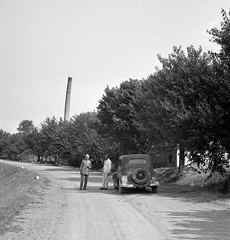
{"x":96,"y":42}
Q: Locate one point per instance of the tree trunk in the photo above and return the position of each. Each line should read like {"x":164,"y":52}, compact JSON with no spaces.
{"x":181,"y":160}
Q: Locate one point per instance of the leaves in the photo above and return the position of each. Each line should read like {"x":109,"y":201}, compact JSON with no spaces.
{"x":118,"y":112}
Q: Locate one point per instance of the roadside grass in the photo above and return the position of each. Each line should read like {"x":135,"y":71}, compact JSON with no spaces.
{"x":215,"y":189}
{"x":18,"y":187}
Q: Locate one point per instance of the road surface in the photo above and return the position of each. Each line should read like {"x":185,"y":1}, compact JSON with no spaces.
{"x":63,"y":212}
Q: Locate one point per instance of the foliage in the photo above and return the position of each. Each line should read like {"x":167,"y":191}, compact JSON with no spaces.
{"x":25,"y":126}
{"x":220,"y":144}
{"x":53,"y":138}
{"x":221,"y":37}
{"x":118,"y":111}
{"x":175,"y":95}
{"x":4,"y":142}
{"x":15,"y":147}
{"x":82,"y":136}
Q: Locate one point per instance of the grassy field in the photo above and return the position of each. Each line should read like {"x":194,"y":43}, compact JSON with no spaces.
{"x":18,"y":187}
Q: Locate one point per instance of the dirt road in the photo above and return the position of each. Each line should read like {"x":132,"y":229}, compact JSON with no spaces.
{"x":63,"y":212}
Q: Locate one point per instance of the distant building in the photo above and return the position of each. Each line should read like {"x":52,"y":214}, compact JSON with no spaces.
{"x":165,"y":159}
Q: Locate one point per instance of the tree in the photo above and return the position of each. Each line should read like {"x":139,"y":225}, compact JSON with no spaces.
{"x":221,"y":37}
{"x":4,"y":142}
{"x":84,"y":137}
{"x":33,"y":142}
{"x":51,"y":143}
{"x":176,"y":100}
{"x":15,"y":147}
{"x":220,"y":144}
{"x":25,"y":126}
{"x":26,"y":130}
{"x":118,"y":111}
{"x":12,"y":146}
{"x":221,"y":62}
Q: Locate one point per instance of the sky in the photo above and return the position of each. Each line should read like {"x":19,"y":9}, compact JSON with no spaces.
{"x":98,"y":43}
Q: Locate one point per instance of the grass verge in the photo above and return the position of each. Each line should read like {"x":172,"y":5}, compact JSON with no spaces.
{"x":194,"y":184}
{"x":18,"y":187}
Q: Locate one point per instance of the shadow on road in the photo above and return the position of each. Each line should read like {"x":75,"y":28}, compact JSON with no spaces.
{"x":205,"y":225}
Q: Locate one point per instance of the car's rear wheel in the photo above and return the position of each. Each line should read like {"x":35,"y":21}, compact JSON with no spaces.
{"x":140,"y":176}
{"x":154,"y":189}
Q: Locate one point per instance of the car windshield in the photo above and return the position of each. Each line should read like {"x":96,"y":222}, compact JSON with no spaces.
{"x":137,"y":161}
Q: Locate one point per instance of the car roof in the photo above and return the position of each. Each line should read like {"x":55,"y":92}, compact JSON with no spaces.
{"x":133,"y":156}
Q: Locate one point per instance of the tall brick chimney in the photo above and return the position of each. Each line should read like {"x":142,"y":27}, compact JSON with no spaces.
{"x":67,"y":99}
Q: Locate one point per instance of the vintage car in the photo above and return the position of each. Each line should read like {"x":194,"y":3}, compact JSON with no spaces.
{"x":134,"y":171}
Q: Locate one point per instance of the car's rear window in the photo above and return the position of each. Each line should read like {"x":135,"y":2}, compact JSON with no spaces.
{"x":137,"y":161}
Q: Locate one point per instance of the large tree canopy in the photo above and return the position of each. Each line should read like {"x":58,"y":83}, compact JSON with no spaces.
{"x":177,"y":100}
{"x":118,"y":111}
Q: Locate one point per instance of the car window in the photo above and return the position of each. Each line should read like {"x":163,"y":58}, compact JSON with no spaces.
{"x":137,"y":161}
{"x":119,"y":162}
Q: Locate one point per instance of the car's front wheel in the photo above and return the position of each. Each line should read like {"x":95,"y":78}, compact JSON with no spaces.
{"x":154,"y":189}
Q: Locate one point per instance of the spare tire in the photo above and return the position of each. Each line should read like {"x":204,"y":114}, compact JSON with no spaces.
{"x":140,"y":176}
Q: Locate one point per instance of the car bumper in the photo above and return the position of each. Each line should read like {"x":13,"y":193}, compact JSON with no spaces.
{"x":155,"y":184}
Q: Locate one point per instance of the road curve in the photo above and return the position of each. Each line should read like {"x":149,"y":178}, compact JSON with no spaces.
{"x":62,"y":212}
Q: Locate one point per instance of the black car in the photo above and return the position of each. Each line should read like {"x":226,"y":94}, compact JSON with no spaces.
{"x":134,"y":171}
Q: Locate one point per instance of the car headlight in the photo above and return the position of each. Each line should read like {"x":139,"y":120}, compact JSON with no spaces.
{"x":124,"y":179}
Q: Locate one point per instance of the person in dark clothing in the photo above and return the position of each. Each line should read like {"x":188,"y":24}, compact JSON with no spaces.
{"x":84,"y":171}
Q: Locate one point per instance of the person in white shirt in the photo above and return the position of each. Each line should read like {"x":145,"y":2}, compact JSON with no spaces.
{"x":105,"y":173}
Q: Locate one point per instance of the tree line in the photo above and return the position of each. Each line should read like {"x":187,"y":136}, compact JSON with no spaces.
{"x":184,"y":104}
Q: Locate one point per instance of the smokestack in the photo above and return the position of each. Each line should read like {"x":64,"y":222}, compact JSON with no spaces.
{"x":67,"y":99}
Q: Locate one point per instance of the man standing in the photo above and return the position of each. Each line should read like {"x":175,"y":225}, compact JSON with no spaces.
{"x":84,"y":171}
{"x":105,"y":173}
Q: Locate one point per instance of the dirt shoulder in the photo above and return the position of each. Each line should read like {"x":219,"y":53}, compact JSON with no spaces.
{"x":194,"y":184}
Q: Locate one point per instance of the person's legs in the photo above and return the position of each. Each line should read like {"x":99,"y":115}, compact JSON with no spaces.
{"x":106,"y":180}
{"x":103,"y":180}
{"x":86,"y":180}
{"x":82,"y":179}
